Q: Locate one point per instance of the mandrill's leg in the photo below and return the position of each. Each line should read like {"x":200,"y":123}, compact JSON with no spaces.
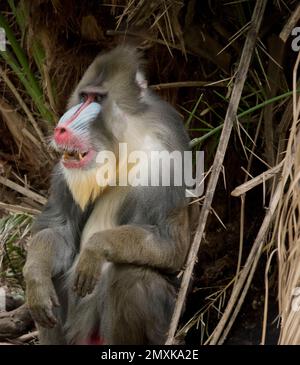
{"x":82,"y":323}
{"x":138,"y":307}
{"x":51,"y":336}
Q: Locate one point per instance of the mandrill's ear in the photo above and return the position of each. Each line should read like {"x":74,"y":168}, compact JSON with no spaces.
{"x":141,"y":80}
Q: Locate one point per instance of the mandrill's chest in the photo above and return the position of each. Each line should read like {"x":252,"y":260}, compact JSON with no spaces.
{"x":104,"y":214}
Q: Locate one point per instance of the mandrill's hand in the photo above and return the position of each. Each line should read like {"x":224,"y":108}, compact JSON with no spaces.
{"x":87,"y":271}
{"x":41,"y":297}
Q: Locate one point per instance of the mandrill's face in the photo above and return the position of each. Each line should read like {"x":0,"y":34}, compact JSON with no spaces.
{"x":100,"y":111}
{"x":105,"y":109}
{"x":72,"y":137}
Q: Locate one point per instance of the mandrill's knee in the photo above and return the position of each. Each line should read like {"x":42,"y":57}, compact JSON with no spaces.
{"x":142,"y":307}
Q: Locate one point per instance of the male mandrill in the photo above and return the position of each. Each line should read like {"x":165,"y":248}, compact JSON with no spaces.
{"x":102,"y":260}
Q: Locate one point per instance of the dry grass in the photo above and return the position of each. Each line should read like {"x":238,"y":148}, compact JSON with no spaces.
{"x":287,"y":232}
{"x":162,"y":17}
{"x":193,"y":56}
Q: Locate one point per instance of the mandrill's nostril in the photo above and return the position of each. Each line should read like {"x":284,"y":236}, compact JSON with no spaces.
{"x":60,"y":130}
{"x":61,"y":134}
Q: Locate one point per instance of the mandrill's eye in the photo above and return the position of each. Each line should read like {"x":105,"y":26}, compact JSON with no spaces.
{"x":83,"y":97}
{"x":98,"y":97}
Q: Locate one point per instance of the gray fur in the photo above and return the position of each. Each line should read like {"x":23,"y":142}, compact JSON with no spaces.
{"x":131,"y":304}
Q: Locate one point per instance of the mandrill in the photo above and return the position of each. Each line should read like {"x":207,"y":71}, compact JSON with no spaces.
{"x":103,"y":260}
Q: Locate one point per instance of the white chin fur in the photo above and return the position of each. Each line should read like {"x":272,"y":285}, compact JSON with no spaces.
{"x":83,"y":185}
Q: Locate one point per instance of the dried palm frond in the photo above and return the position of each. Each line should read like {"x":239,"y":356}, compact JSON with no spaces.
{"x":287,"y":233}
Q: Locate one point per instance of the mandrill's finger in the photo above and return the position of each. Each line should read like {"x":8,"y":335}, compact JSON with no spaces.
{"x":88,"y":286}
{"x":92,"y":284}
{"x":50,"y":317}
{"x":79,"y":284}
{"x":76,"y":281}
{"x":82,"y":289}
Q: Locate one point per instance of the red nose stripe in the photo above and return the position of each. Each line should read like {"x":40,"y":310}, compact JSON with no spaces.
{"x":69,"y":139}
{"x":88,"y":101}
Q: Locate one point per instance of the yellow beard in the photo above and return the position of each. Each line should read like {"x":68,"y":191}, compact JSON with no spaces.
{"x":83,"y":185}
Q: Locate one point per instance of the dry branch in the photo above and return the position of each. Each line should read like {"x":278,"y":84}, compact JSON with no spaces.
{"x":15,"y":323}
{"x":246,"y":275}
{"x":27,"y":337}
{"x":179,"y":84}
{"x":15,"y":124}
{"x":291,"y":23}
{"x":266,"y":175}
{"x":18,"y":209}
{"x":24,"y":191}
{"x":287,"y":235}
{"x":22,"y":104}
{"x":231,"y":114}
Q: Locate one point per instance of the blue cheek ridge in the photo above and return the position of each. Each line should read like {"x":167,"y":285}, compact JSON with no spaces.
{"x":87,"y":115}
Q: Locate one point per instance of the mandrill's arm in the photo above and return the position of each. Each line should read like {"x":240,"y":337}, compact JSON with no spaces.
{"x":133,"y":244}
{"x":50,"y":252}
{"x":40,"y":292}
